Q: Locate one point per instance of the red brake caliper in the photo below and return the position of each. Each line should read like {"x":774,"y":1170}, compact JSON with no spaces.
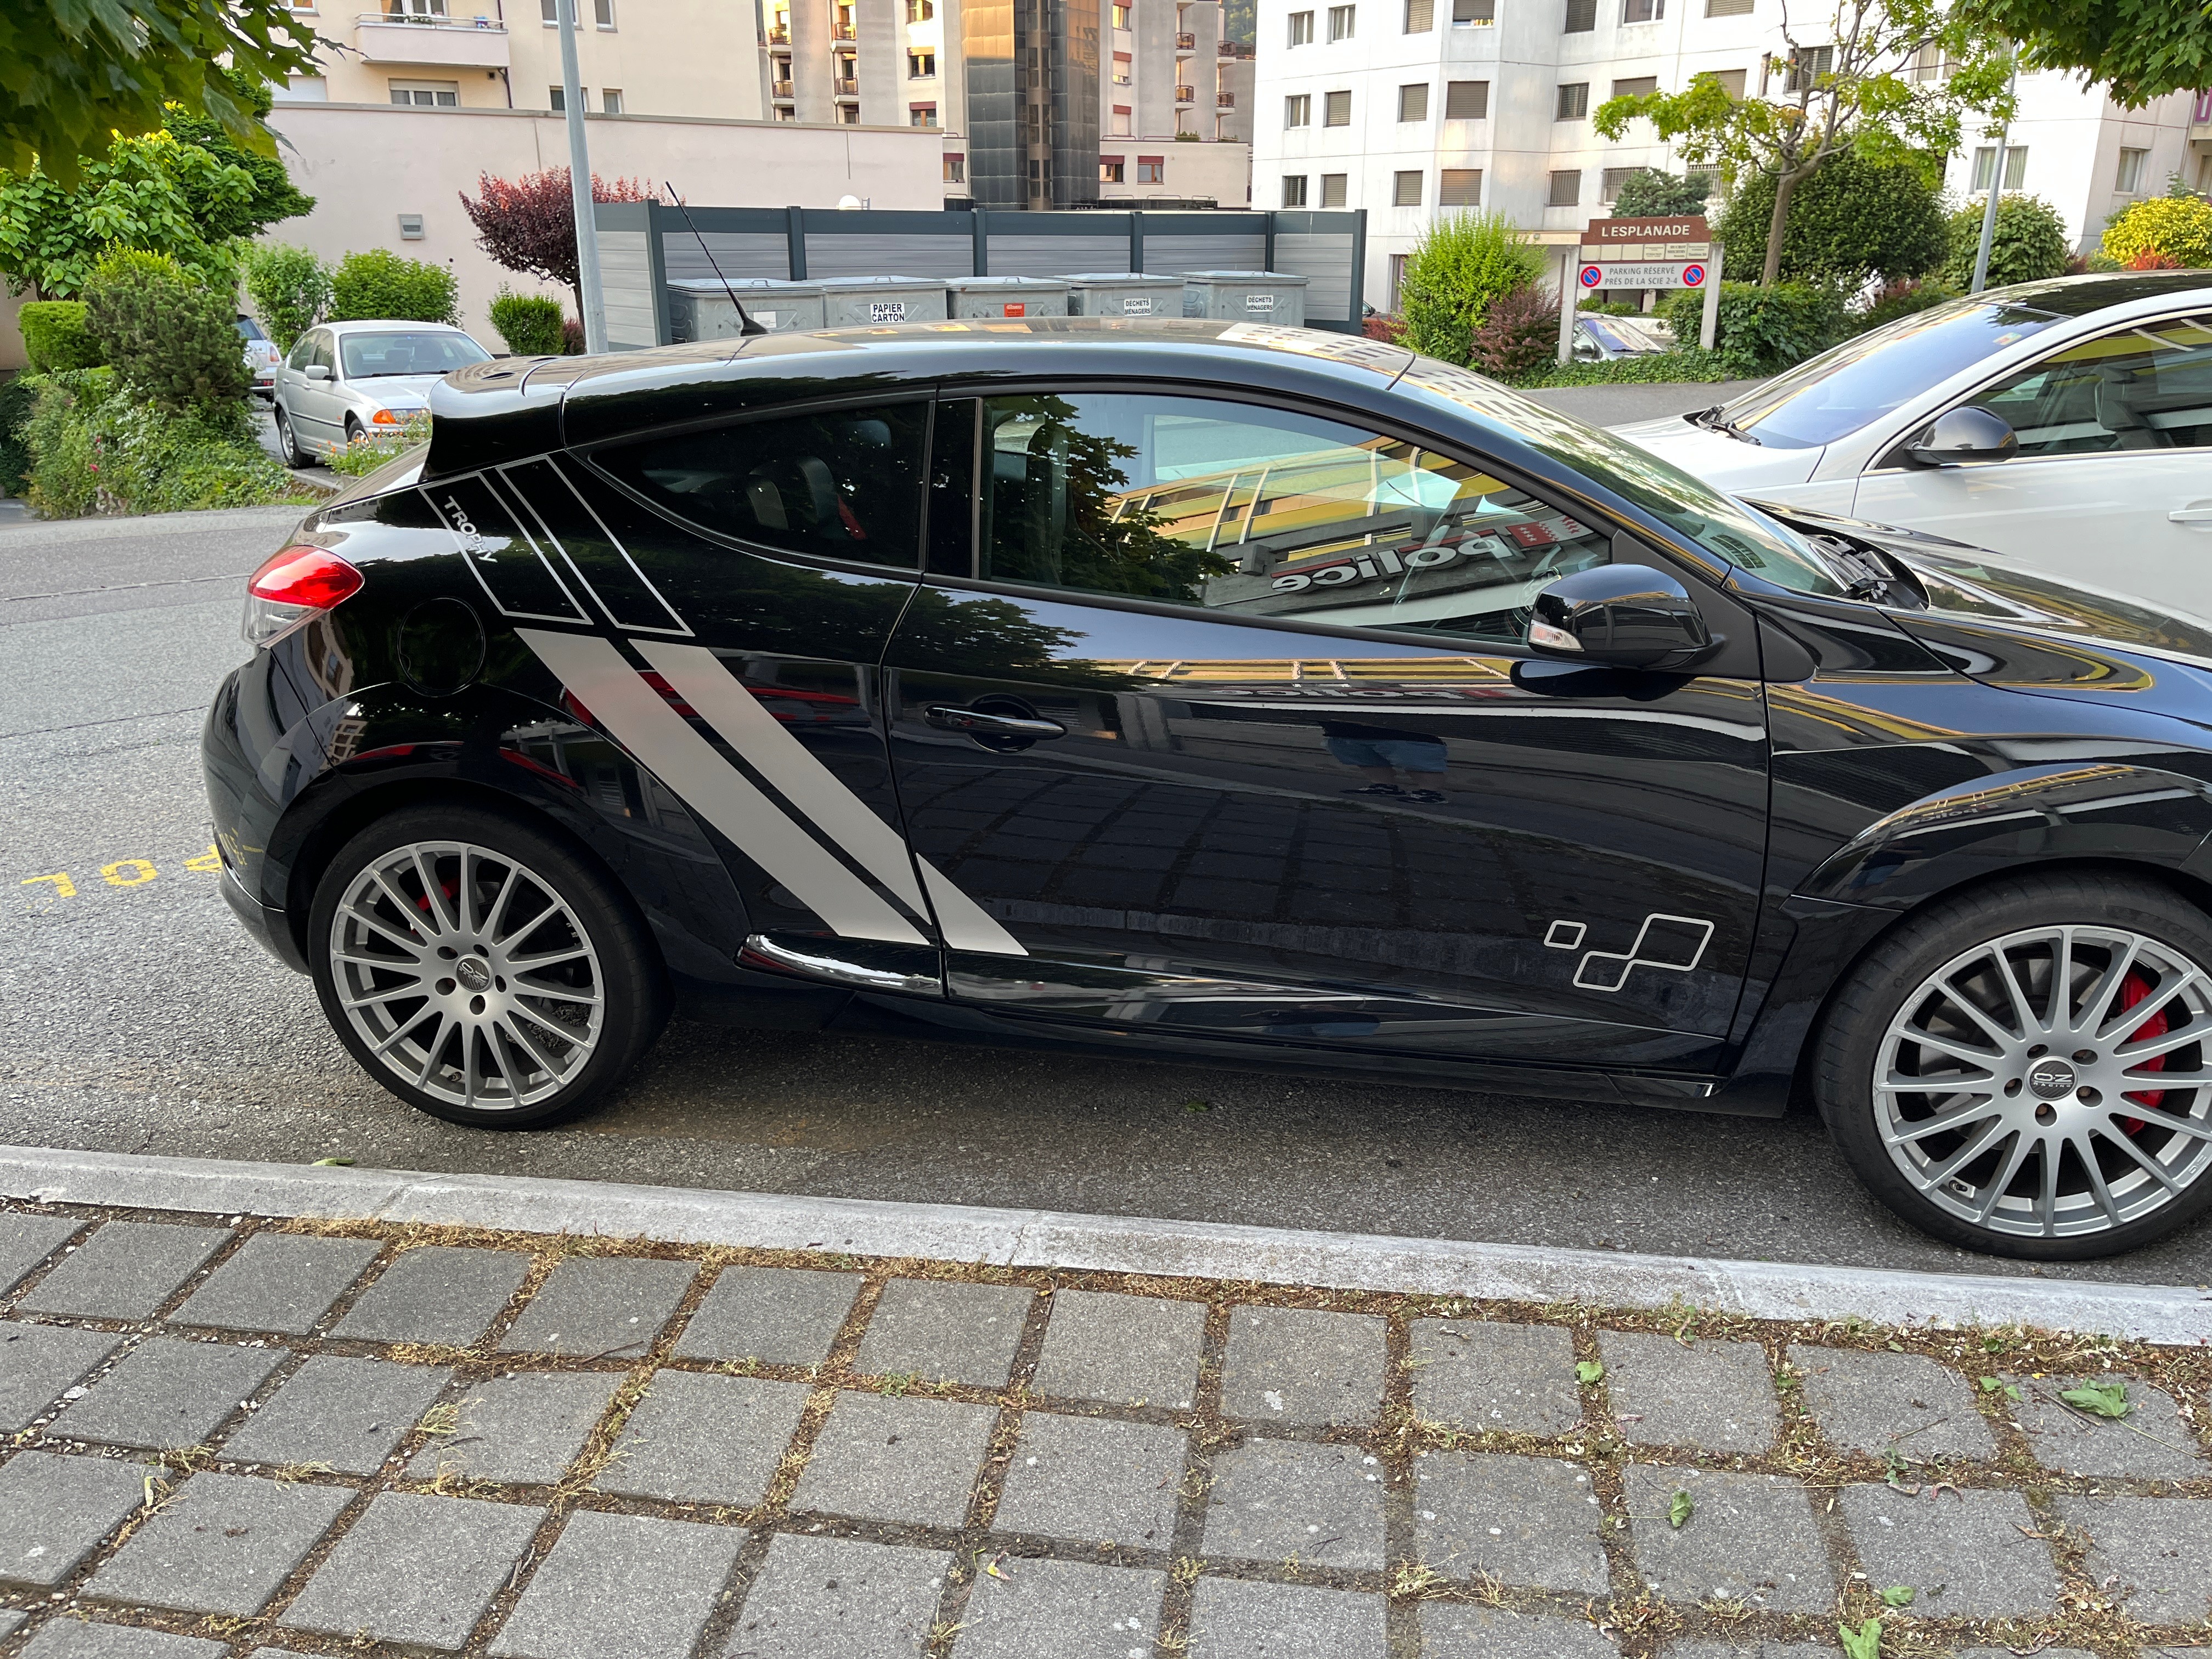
{"x":2134,"y":989}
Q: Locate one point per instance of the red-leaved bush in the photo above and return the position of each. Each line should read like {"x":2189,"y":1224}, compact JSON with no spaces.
{"x":1520,"y":331}
{"x":529,"y":224}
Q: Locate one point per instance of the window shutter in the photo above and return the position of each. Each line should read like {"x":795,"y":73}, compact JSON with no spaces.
{"x":1337,"y":106}
{"x":1460,"y":187}
{"x":1466,"y":100}
{"x":1405,"y":189}
{"x":1413,"y":102}
{"x":1420,"y":17}
{"x":1582,"y":16}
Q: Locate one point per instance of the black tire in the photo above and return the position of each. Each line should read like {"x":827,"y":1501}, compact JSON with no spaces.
{"x":352,"y":429}
{"x":287,"y":441}
{"x":514,"y":1046}
{"x":2042,"y":1098}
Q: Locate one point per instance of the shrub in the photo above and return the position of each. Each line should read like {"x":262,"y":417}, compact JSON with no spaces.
{"x":572,"y":337}
{"x":290,"y":288}
{"x":2028,"y":245}
{"x":1459,"y":267}
{"x":1522,"y":330}
{"x":1683,"y":363}
{"x":1902,"y":300}
{"x":96,"y":446}
{"x":1763,"y":330}
{"x":17,"y":393}
{"x":361,"y":456}
{"x":1852,"y":219}
{"x":529,"y":323}
{"x":1652,"y":194}
{"x":2178,"y":227}
{"x":55,"y":337}
{"x":380,"y":284}
{"x":171,"y":339}
{"x":1383,"y":326}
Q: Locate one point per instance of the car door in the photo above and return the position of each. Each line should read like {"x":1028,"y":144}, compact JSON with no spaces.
{"x":316,"y":406}
{"x":2111,"y":487}
{"x":1150,"y":731}
{"x":740,"y":579}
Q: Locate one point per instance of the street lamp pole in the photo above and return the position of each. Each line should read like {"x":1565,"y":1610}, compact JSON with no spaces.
{"x":1989,"y":207}
{"x":580,"y":187}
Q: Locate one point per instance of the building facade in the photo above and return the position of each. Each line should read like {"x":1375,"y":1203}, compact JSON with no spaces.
{"x":1413,"y":108}
{"x":1042,"y":103}
{"x":656,"y":58}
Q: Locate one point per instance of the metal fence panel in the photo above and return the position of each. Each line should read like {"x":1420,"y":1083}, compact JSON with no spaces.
{"x":1170,"y":254}
{"x":740,"y":253}
{"x":1326,"y":260}
{"x":1016,"y":255}
{"x":625,"y":289}
{"x":866,"y":254}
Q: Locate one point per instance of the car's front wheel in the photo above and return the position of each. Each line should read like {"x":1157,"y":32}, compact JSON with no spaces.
{"x":288,"y":440}
{"x":2026,"y":1069}
{"x":481,"y":969}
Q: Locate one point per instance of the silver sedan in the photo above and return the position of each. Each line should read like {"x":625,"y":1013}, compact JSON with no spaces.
{"x":347,"y":381}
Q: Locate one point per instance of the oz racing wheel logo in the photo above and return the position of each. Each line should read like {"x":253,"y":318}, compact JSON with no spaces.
{"x":1675,"y":944}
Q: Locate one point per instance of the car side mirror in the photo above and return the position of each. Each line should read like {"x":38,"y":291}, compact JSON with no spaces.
{"x":317,"y":371}
{"x":1965,"y":433}
{"x":1629,"y":616}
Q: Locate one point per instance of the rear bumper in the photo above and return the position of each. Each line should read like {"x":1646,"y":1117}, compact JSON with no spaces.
{"x":271,"y":929}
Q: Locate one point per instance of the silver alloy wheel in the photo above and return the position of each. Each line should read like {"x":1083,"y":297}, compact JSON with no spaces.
{"x":467,"y":975}
{"x":2053,"y":1082}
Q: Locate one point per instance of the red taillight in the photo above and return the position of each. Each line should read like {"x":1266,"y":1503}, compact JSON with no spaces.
{"x":291,"y":586}
{"x":305,"y":575}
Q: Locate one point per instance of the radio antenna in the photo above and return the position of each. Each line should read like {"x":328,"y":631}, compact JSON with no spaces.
{"x":746,"y":325}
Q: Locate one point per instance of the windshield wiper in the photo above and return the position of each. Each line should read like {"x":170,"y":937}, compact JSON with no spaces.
{"x":1711,"y":420}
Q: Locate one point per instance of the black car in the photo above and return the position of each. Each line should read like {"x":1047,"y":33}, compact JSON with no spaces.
{"x":1226,"y":693}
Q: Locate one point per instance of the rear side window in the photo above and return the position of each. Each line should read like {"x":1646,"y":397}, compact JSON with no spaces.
{"x":845,"y":483}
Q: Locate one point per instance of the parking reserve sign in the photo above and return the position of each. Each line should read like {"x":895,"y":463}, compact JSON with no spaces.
{"x":1640,"y":254}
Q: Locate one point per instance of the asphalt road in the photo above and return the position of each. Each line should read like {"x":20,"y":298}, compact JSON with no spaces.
{"x":136,"y":1016}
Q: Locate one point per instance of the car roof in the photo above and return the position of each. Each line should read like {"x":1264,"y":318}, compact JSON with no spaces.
{"x":2103,"y":290}
{"x":361,"y":325}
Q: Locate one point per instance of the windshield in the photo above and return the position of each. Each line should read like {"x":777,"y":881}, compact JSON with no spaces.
{"x":249,"y":329}
{"x":1840,"y":390}
{"x":1724,"y":527}
{"x":367,"y":356}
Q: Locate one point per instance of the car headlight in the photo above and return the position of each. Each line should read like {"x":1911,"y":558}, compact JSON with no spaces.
{"x":384,"y":417}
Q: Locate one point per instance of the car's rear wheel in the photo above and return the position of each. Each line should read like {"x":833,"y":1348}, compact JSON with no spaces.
{"x":481,"y":969}
{"x":288,"y":440}
{"x":2027,"y":1069}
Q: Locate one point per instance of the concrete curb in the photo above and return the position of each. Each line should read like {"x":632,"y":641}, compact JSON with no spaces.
{"x":2171,"y":1314}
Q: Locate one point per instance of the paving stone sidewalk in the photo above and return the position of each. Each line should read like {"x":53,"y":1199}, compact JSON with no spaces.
{"x":233,"y":1437}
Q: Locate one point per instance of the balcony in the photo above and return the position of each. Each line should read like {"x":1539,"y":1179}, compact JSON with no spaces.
{"x":1186,"y":43}
{"x":384,"y":37}
{"x":845,"y":87}
{"x":843,"y":31}
{"x":1224,"y":101}
{"x":780,"y":35}
{"x":779,"y":89}
{"x":1186,"y":94}
{"x":1233,"y":48}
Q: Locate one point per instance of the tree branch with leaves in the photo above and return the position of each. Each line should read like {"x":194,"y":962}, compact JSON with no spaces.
{"x":1852,"y":84}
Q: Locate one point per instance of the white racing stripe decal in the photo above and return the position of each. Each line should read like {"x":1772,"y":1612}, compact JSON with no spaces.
{"x":598,"y":676}
{"x":702,"y":680}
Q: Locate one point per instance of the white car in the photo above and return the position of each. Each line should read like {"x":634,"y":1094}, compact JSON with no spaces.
{"x":344,"y":380}
{"x":2066,"y":424}
{"x":261,"y":355}
{"x":1600,"y":337}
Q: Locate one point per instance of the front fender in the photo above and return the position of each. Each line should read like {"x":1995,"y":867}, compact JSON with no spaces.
{"x":2108,"y":811}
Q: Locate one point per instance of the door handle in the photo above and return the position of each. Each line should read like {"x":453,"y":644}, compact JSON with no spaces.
{"x":2198,"y":514}
{"x":990,"y":723}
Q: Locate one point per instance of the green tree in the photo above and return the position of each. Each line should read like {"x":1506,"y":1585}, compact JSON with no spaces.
{"x":379,"y":283}
{"x":272,"y":197}
{"x":1844,"y":87}
{"x":1853,"y":219}
{"x":1653,"y":194}
{"x":149,"y":193}
{"x":77,"y":74}
{"x":1461,"y":266}
{"x":2029,"y":245}
{"x":2140,"y":49}
{"x":169,"y":336}
{"x":290,"y":289}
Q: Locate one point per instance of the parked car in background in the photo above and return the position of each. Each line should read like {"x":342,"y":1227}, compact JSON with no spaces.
{"x":261,"y":357}
{"x":344,"y":380}
{"x":1232,"y":693}
{"x":1601,"y":338}
{"x":2067,"y":424}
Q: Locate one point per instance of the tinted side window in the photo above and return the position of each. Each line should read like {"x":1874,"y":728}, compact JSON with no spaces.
{"x":303,"y":352}
{"x":2145,"y":387}
{"x":1231,"y":507}
{"x":844,"y":483}
{"x":323,"y":354}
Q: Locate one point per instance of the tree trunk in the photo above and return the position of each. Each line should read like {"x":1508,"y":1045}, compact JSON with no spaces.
{"x":1784,"y":183}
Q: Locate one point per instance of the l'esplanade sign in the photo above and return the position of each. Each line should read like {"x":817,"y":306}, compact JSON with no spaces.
{"x":1635,"y":253}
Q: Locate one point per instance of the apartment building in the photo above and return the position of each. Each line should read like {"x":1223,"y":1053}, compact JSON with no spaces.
{"x":654,"y":57}
{"x":1043,"y":103}
{"x":1410,"y":108}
